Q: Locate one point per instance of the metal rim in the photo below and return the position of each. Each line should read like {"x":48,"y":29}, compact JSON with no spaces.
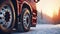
{"x":26,"y":19}
{"x":6,"y":16}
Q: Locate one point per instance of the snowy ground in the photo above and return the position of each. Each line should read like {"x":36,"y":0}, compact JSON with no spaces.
{"x":43,"y":29}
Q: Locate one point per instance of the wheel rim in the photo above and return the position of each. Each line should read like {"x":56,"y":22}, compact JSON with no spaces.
{"x":26,"y":19}
{"x":6,"y":16}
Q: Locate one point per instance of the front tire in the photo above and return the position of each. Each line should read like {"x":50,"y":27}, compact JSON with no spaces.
{"x":8,"y":16}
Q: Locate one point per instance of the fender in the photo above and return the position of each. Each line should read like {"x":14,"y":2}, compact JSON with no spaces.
{"x":26,"y":4}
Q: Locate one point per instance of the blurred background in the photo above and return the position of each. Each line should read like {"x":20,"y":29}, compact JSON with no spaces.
{"x":48,"y":11}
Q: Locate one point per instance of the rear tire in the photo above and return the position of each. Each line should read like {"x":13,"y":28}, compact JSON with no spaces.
{"x":9,"y":16}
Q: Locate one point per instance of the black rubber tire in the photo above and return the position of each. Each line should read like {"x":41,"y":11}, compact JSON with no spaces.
{"x":9,"y":3}
{"x":21,"y":27}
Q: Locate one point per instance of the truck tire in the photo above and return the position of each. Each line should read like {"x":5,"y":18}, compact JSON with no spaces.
{"x":25,"y":20}
{"x":7,"y":16}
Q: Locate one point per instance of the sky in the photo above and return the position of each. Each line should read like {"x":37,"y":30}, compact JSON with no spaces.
{"x":48,"y":7}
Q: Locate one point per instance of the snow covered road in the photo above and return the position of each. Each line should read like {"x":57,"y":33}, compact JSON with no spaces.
{"x":43,"y":29}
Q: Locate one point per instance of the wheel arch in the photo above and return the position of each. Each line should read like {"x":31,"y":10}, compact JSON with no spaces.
{"x":27,"y":5}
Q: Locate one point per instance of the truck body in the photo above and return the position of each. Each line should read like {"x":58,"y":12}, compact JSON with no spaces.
{"x":18,"y":14}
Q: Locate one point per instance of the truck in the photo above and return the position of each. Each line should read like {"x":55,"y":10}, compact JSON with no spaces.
{"x":19,"y":15}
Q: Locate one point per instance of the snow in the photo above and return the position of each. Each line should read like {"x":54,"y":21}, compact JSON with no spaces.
{"x":43,"y":29}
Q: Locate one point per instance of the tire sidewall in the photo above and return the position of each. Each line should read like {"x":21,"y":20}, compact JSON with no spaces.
{"x":23,"y":11}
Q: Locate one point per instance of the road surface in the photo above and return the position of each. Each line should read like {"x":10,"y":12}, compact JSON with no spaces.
{"x":43,"y":29}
